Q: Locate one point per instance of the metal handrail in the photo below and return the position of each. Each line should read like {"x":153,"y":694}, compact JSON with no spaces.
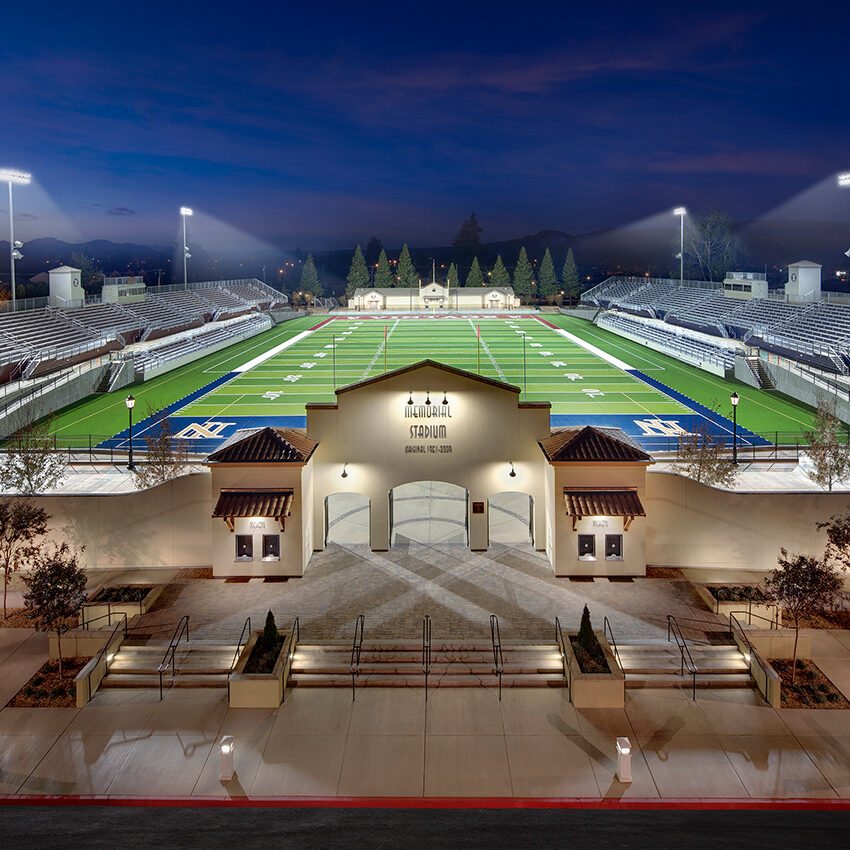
{"x":239,"y":643}
{"x":356,"y":646}
{"x":686,"y":659}
{"x":292,"y":642}
{"x":774,"y":622}
{"x":498,"y":658}
{"x":562,"y":648}
{"x":85,"y":625}
{"x":103,"y":650}
{"x":753,"y":655}
{"x":426,"y":650}
{"x":182,"y":626}
{"x":608,"y":632}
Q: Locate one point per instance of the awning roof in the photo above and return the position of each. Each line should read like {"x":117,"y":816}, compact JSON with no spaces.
{"x":275,"y":504}
{"x":603,"y":502}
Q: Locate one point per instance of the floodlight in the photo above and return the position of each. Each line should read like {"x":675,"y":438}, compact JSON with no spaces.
{"x":18,"y":243}
{"x":186,"y":211}
{"x":843,"y":179}
{"x":17,"y":255}
{"x":680,"y":211}
{"x":19,"y":177}
{"x":847,"y":253}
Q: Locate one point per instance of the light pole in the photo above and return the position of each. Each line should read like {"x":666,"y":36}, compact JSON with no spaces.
{"x":130,"y":402}
{"x":843,"y":181}
{"x":734,"y":398}
{"x":681,"y":212}
{"x":185,"y":211}
{"x":21,"y":178}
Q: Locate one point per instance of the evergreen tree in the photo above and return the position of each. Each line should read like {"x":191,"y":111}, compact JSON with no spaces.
{"x":406,"y":271}
{"x":451,"y":276}
{"x":383,"y":274}
{"x":569,"y":277}
{"x":373,"y":251}
{"x":358,"y":274}
{"x":547,"y":282}
{"x":500,"y":276}
{"x":523,"y":275}
{"x":475,"y":277}
{"x":310,"y":278}
{"x":469,"y":235}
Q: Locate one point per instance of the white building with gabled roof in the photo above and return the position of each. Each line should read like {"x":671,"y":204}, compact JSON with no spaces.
{"x":434,"y":296}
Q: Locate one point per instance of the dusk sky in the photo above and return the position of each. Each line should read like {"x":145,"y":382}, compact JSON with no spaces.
{"x":321,"y":124}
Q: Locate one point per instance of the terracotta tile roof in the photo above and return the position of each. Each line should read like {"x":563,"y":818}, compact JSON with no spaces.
{"x":582,"y":503}
{"x":590,"y":444}
{"x":267,"y":445}
{"x":248,"y":503}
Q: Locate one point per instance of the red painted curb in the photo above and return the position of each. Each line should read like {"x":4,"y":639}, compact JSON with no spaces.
{"x":636,"y":804}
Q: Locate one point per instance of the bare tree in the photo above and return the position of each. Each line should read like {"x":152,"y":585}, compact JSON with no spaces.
{"x":166,"y":457}
{"x":31,"y":462}
{"x":711,"y":243}
{"x":802,"y":586}
{"x":20,"y":524}
{"x":704,"y":456}
{"x":828,"y":448}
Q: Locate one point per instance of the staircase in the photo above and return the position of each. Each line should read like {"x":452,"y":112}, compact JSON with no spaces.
{"x":657,"y":664}
{"x":760,"y":373}
{"x":398,"y":664}
{"x":197,"y":664}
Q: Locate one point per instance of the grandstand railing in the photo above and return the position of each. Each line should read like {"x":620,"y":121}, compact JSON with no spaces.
{"x":22,"y":304}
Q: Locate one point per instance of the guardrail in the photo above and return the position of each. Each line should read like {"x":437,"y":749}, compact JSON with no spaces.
{"x":765,"y":677}
{"x":166,"y":663}
{"x":292,"y":642}
{"x":498,"y":658}
{"x":609,"y":633}
{"x":99,"y":665}
{"x":686,"y":659}
{"x":426,"y":650}
{"x":245,"y":626}
{"x":356,"y":647}
{"x":562,"y":648}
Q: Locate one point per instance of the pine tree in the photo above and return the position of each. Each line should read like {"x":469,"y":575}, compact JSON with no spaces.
{"x":547,"y":282}
{"x":499,"y":275}
{"x":569,"y":277}
{"x":451,"y":276}
{"x":358,"y":274}
{"x":406,"y":271}
{"x":469,"y":235}
{"x":310,"y":278}
{"x":475,"y":277}
{"x":383,"y":274}
{"x":523,"y":275}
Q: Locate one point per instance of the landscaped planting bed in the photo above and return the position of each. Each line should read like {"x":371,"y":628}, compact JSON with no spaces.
{"x":589,"y":660}
{"x":737,"y":593}
{"x":811,"y":689}
{"x":18,"y":619}
{"x":46,"y":690}
{"x":122,"y":593}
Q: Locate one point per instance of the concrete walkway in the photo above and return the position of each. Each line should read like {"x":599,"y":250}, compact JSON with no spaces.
{"x":464,"y":742}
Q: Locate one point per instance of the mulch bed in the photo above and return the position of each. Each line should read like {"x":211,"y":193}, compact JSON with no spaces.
{"x":738,"y":593}
{"x":46,"y":690}
{"x":839,"y":619}
{"x":18,"y":619}
{"x":121,"y":593}
{"x":812,"y":689}
{"x":589,"y":662}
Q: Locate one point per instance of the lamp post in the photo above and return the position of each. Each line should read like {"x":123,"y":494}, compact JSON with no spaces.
{"x":130,"y":402}
{"x":734,"y":398}
{"x":185,"y":211}
{"x":843,"y":182}
{"x":21,"y":178}
{"x":681,"y":212}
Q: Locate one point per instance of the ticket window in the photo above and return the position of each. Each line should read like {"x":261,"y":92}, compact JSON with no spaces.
{"x":271,"y":547}
{"x":244,"y":547}
{"x":587,"y":547}
{"x":613,"y":547}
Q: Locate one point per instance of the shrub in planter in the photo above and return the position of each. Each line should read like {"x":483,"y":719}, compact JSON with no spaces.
{"x":266,"y":649}
{"x":588,"y":652}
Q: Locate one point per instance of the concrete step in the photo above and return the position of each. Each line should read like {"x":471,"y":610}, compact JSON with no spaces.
{"x":329,"y":680}
{"x":151,"y":680}
{"x":416,"y":646}
{"x":456,"y":669}
{"x":663,"y":680}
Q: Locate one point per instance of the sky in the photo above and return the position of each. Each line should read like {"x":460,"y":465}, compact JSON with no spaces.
{"x":319,"y":125}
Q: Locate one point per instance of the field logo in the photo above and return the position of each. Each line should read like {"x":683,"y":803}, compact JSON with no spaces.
{"x":660,"y":427}
{"x":205,"y":431}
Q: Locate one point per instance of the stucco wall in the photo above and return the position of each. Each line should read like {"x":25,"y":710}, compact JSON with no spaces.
{"x":692,"y":525}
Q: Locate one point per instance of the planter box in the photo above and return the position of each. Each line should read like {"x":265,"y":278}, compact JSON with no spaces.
{"x":257,"y":690}
{"x":78,"y":642}
{"x":94,"y":610}
{"x":756,"y":613}
{"x":596,"y":690}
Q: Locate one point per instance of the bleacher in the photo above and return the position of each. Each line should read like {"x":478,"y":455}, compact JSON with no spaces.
{"x":106,"y":320}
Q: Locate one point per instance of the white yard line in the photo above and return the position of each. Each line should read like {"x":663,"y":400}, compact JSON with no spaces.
{"x":602,"y":355}
{"x":266,"y":355}
{"x":378,"y":352}
{"x":486,"y":348}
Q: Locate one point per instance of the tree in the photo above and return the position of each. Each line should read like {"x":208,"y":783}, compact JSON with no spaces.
{"x":310,"y":278}
{"x":712,"y":244}
{"x":373,"y":251}
{"x":499,"y":275}
{"x":547,"y":279}
{"x":406,"y":271}
{"x":166,"y":458}
{"x":358,"y":274}
{"x":837,"y":540}
{"x":475,"y":277}
{"x":523,"y":275}
{"x":89,"y":270}
{"x":20,"y":524}
{"x":56,"y":588}
{"x":569,"y":277}
{"x":383,"y":274}
{"x":704,"y":457}
{"x":451,"y":276}
{"x":31,"y":463}
{"x":802,"y":586}
{"x":469,"y":235}
{"x":828,"y":452}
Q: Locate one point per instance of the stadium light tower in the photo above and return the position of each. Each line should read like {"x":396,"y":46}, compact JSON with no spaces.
{"x":844,"y":182}
{"x":185,"y":211}
{"x":681,"y":212}
{"x":21,"y":178}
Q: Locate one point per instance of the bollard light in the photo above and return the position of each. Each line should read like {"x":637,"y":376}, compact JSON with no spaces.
{"x":226,"y":745}
{"x":624,"y":760}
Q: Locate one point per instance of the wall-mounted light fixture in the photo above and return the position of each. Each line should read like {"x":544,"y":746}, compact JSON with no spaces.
{"x":445,"y":400}
{"x":344,"y":470}
{"x":428,"y":397}
{"x":512,"y":473}
{"x":410,"y":400}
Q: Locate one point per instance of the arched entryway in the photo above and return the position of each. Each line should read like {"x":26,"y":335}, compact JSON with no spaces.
{"x":510,"y":517}
{"x":429,"y":512}
{"x":347,"y":518}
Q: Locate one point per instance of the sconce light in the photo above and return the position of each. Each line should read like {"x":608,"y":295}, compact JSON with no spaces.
{"x":445,"y":400}
{"x":512,"y":473}
{"x":410,"y":400}
{"x":428,"y":397}
{"x":344,"y":470}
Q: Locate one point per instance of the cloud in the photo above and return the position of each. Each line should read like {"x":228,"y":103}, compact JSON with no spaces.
{"x":120,"y":211}
{"x":26,"y":216}
{"x":766,"y":163}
